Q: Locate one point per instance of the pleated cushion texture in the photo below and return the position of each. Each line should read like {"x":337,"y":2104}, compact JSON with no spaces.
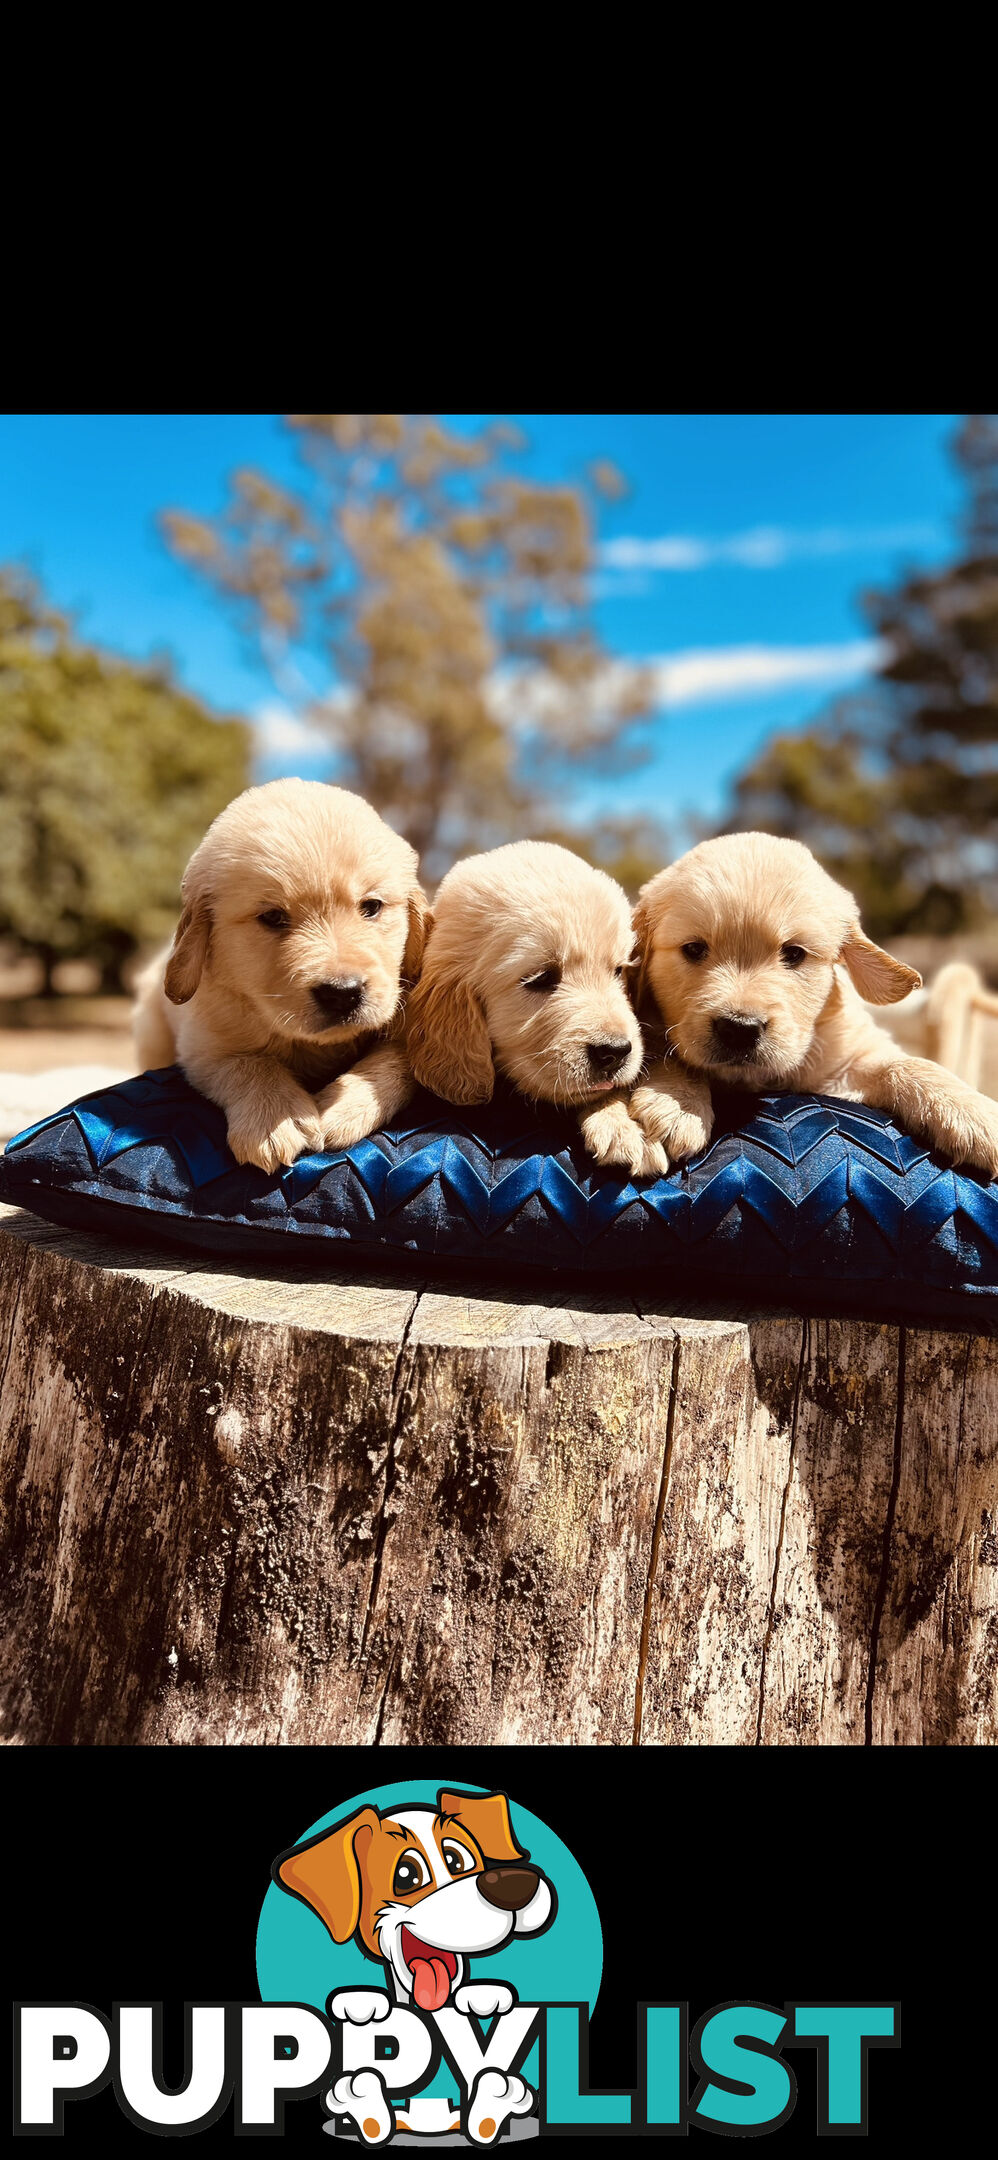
{"x":796,"y":1196}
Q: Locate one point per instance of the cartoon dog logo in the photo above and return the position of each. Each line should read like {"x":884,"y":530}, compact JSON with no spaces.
{"x":422,"y":1890}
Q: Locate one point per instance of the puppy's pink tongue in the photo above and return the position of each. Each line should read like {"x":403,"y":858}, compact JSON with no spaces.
{"x":430,"y":1982}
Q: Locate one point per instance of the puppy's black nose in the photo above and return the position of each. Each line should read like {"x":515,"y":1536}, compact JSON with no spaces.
{"x":510,"y":1888}
{"x":737,"y":1034}
{"x":606,"y":1058}
{"x":339,"y":1000}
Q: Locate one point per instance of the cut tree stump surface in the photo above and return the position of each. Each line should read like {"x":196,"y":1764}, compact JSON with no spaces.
{"x":322,"y":1507}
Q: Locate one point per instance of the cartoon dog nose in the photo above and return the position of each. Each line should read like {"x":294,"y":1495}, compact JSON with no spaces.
{"x":606,"y":1058}
{"x":341,"y":998}
{"x":737,"y":1034}
{"x":509,"y":1887}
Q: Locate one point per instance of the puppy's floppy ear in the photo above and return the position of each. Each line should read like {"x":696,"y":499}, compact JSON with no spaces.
{"x":486,"y":1815}
{"x":420,"y":925}
{"x":188,"y":952}
{"x":326,"y":1873}
{"x":878,"y":977}
{"x":642,"y":995}
{"x":447,"y":1038}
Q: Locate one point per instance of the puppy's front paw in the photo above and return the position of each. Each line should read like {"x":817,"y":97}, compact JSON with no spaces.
{"x":362,"y":2096}
{"x":616,"y":1139}
{"x":358,"y":2006}
{"x":683,"y":1130}
{"x":495,"y":2097}
{"x":273,"y":1147}
{"x":484,"y":1999}
{"x":969,"y":1133}
{"x":348,"y":1111}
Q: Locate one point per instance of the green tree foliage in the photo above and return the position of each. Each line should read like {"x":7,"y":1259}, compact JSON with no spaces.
{"x":438,"y":601}
{"x":108,"y":777}
{"x":897,"y":789}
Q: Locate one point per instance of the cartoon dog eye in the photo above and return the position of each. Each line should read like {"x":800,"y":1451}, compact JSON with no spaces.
{"x":411,"y":1873}
{"x":458,"y":1859}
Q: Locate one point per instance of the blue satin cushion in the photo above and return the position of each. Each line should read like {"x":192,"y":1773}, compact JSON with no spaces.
{"x":797,"y":1196}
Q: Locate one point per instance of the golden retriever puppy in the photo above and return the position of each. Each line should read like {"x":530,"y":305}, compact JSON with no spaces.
{"x":281,"y":995}
{"x":525,"y":973}
{"x":755,"y":961}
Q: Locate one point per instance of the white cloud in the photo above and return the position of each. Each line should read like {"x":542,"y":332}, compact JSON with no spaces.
{"x":696,"y":676}
{"x":747,"y":671}
{"x":523,"y":697}
{"x":762,"y":547}
{"x":283,"y":735}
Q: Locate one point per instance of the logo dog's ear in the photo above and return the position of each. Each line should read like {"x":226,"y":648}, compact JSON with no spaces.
{"x":486,"y":1815}
{"x":877,"y":976}
{"x":188,"y":952}
{"x":325,"y":1873}
{"x":447,"y":1037}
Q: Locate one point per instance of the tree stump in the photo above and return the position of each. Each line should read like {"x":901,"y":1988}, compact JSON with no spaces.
{"x":318,"y":1508}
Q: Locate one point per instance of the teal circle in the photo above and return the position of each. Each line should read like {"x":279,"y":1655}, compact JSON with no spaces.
{"x":298,"y":1961}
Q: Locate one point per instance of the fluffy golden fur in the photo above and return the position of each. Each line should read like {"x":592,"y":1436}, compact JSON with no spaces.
{"x":525,"y":974}
{"x":281,"y":995}
{"x":755,"y":961}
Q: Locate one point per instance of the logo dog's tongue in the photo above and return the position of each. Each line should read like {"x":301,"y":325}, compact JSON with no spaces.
{"x":430,"y":1982}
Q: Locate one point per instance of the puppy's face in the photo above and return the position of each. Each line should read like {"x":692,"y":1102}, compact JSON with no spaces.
{"x":422,"y":1889}
{"x":305,"y":903}
{"x":738,"y":944}
{"x":526,"y":972}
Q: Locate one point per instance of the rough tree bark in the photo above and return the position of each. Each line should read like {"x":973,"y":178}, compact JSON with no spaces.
{"x":240,"y":1509}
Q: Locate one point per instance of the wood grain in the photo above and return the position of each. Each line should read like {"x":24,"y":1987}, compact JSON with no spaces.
{"x":240,"y":1507}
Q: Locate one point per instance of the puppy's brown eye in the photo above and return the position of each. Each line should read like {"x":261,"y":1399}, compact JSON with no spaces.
{"x":695,"y":950}
{"x":548,"y":979}
{"x":457,"y":1857}
{"x":276,"y":918}
{"x":792,"y":955}
{"x":410,"y":1874}
{"x":371,"y":907}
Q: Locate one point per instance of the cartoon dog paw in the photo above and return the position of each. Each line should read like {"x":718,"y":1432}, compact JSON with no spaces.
{"x":494,"y":2098}
{"x":483,"y":1999}
{"x":361,"y":2095}
{"x":357,"y":2006}
{"x":615,"y":1138}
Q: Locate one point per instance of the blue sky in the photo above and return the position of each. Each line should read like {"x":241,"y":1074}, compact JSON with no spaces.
{"x":734,"y":564}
